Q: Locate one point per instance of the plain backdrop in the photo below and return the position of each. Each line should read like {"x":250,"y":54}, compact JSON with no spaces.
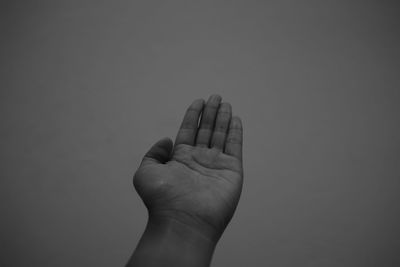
{"x":88,"y":86}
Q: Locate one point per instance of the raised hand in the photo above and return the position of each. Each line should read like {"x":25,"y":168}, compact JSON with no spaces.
{"x":198,"y":181}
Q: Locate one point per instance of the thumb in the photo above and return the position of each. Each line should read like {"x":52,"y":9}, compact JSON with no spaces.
{"x":160,"y":152}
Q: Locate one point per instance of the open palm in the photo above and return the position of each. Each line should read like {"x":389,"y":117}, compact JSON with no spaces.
{"x":199,"y":180}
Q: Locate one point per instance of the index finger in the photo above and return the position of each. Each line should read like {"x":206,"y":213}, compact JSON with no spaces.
{"x":188,"y":130}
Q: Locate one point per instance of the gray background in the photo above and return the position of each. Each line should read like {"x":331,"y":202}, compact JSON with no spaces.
{"x":88,"y":86}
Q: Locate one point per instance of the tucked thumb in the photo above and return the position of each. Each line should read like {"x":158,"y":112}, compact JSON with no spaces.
{"x":160,"y":152}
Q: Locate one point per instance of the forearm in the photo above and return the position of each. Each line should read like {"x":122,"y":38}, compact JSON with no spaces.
{"x":168,"y":242}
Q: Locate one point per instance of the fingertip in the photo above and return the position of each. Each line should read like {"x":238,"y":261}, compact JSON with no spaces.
{"x":236,"y":122}
{"x":197,"y":103}
{"x":200,"y":100}
{"x":166,"y":142}
{"x":215,"y":98}
{"x":188,"y":129}
{"x":167,"y":139}
{"x":160,"y":152}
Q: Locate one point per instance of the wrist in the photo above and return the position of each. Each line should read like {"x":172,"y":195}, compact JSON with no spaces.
{"x":185,"y":226}
{"x":167,"y":241}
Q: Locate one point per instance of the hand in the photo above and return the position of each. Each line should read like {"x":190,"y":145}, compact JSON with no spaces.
{"x":198,"y":181}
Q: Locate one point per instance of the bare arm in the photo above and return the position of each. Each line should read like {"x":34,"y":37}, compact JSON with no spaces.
{"x":191,"y":189}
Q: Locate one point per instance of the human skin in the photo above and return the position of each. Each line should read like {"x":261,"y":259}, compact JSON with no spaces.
{"x":191,"y":189}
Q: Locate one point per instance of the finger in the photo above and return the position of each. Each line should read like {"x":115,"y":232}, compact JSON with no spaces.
{"x":207,"y":121}
{"x":234,"y":140}
{"x":221,"y":126}
{"x":187,"y":132}
{"x":160,"y":152}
